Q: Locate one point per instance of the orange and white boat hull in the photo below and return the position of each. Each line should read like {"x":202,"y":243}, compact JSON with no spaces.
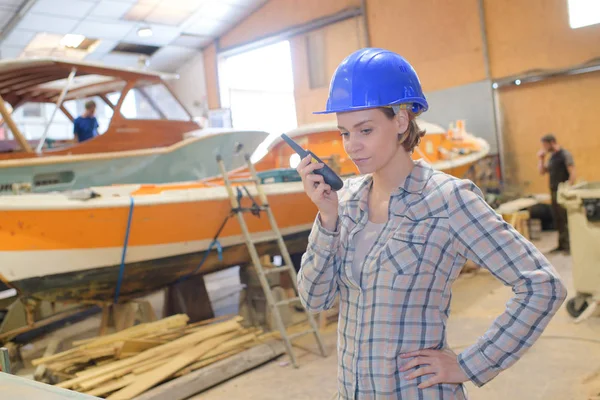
{"x":57,"y":248}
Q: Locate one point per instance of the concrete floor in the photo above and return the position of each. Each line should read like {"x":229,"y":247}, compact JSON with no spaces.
{"x":555,"y":368}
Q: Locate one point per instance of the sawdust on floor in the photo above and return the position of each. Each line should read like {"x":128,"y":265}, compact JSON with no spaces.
{"x":562,"y":365}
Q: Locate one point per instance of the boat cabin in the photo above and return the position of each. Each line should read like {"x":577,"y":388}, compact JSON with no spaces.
{"x":40,"y":99}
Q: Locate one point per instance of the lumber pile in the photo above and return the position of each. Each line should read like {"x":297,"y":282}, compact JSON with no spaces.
{"x":125,"y":364}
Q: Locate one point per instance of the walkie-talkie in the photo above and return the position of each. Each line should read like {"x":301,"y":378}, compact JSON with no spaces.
{"x":330,"y":177}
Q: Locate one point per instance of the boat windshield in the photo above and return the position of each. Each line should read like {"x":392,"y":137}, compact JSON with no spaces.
{"x":152,"y":101}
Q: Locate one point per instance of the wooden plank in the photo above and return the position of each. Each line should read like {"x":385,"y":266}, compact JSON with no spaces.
{"x":140,"y":361}
{"x":154,"y":377}
{"x":143,"y":329}
{"x":112,"y":386}
{"x":137,"y":346}
{"x":148,"y":367}
{"x":207,"y":361}
{"x":13,"y":127}
{"x":36,"y":348}
{"x":188,"y":340}
{"x":90,"y":383}
{"x":224,"y":350}
{"x":198,"y":381}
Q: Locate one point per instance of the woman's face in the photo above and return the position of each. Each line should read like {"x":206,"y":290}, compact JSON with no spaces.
{"x":371,"y":138}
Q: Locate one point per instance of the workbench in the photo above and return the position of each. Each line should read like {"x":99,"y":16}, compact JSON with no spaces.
{"x":17,"y":388}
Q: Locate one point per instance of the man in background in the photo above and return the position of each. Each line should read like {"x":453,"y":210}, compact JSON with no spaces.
{"x":560,"y":168}
{"x":85,"y":127}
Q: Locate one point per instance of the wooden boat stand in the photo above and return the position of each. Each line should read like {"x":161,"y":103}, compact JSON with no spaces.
{"x":120,"y":316}
{"x":23,"y":317}
{"x":125,"y":315}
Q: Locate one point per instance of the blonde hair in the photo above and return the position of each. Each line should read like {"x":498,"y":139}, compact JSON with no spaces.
{"x":413,"y":134}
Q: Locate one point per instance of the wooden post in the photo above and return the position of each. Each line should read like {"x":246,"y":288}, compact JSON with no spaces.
{"x":107,"y":101}
{"x":67,"y":113}
{"x":105,"y":319}
{"x":53,"y":348}
{"x":13,"y":127}
{"x":125,"y":315}
{"x":190,"y":297}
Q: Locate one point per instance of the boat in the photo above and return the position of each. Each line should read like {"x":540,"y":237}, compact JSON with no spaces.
{"x":454,"y":151}
{"x":75,"y":245}
{"x":66,"y":246}
{"x":150,"y":137}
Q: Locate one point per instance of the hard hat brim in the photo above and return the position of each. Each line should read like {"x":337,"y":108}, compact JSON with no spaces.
{"x":424,"y":107}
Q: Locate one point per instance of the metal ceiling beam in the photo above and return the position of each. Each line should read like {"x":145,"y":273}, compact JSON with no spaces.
{"x":365,"y":22}
{"x":12,"y":23}
{"x":498,"y":134}
{"x":290,"y":32}
{"x":541,"y":75}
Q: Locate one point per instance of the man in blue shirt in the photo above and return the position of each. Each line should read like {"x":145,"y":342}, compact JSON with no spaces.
{"x":85,"y":127}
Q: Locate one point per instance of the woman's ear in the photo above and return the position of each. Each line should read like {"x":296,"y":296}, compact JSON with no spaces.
{"x":402,"y":121}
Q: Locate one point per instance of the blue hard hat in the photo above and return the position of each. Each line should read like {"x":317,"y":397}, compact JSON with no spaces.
{"x":373,"y":77}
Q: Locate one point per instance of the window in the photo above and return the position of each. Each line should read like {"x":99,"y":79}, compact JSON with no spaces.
{"x":152,"y":102}
{"x":167,"y":103}
{"x":258,"y":87}
{"x":136,"y":106}
{"x":315,"y":55}
{"x":32,"y":110}
{"x":583,"y":13}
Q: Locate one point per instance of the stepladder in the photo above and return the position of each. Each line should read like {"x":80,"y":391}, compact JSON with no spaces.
{"x":235,"y":190}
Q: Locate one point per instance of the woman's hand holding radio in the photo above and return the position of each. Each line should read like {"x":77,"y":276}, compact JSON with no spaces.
{"x":319,"y":192}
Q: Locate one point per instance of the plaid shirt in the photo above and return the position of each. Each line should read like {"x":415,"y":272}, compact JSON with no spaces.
{"x":400,"y":302}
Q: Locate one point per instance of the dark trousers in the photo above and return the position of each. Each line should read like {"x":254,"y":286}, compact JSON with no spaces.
{"x":559,"y":214}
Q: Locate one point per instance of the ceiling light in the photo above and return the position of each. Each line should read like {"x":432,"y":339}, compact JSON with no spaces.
{"x":494,"y":85}
{"x":518,"y":82}
{"x":70,"y":40}
{"x":144,"y":32}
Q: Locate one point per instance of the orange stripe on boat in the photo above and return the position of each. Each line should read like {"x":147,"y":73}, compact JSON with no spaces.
{"x":151,"y":224}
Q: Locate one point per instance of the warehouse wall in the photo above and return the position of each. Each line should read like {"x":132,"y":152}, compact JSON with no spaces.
{"x":568,"y":107}
{"x":190,"y":88}
{"x":277,"y":15}
{"x":443,"y":41}
{"x":533,"y":35}
{"x":333,"y":43}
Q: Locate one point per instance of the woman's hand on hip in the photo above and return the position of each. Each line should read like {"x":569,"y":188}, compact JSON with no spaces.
{"x":319,"y":192}
{"x":441,"y":365}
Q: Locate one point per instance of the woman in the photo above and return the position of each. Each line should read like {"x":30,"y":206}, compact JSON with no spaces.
{"x":394,"y":239}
